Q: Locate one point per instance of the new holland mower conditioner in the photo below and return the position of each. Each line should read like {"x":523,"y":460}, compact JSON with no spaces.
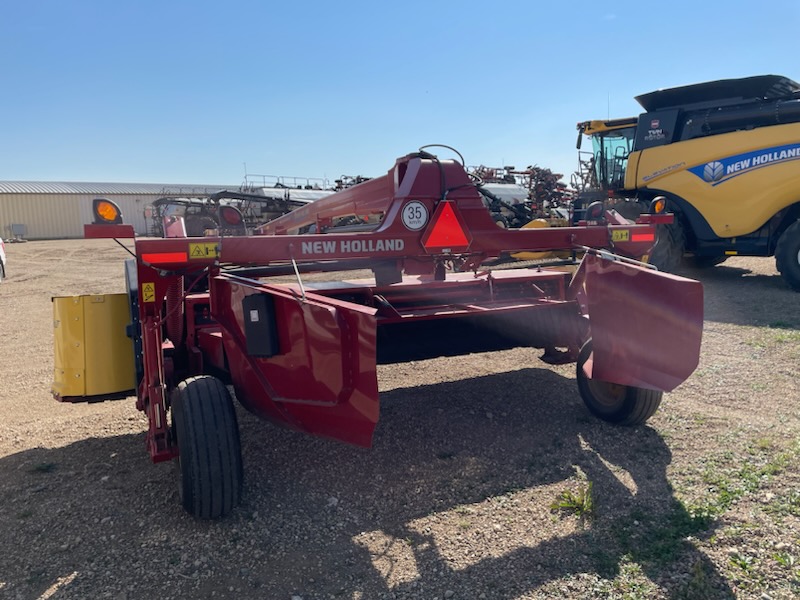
{"x":204,"y":319}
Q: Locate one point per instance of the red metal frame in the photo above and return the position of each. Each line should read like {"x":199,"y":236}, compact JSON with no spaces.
{"x":321,"y":378}
{"x":110,"y":230}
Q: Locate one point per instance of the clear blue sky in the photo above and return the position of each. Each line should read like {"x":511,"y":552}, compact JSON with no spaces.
{"x":190,"y":91}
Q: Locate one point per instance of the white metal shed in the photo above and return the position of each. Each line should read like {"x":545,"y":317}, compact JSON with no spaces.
{"x":54,"y":210}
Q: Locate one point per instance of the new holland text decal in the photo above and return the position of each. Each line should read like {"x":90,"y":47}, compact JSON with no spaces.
{"x":352,"y":246}
{"x":720,"y":171}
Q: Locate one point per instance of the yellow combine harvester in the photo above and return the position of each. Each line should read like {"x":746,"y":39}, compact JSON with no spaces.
{"x":723,"y":153}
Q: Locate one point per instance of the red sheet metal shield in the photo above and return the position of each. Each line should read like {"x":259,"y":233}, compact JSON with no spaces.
{"x":323,"y":380}
{"x":646,"y":325}
{"x":106,"y":231}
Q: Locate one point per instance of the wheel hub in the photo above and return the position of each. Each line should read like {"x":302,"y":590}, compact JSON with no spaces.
{"x":609,"y":395}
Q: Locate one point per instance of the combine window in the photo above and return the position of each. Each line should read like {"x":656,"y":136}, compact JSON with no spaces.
{"x":611,"y":150}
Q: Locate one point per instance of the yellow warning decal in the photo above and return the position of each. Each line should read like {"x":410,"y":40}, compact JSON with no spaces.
{"x":620,"y":235}
{"x":148,"y":292}
{"x":197,"y":251}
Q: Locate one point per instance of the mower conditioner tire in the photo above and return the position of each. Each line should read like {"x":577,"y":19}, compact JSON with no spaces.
{"x":787,"y":256}
{"x":210,"y":461}
{"x":620,"y":404}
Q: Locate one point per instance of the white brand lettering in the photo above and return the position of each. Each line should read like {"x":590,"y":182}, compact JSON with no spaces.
{"x":353,"y":246}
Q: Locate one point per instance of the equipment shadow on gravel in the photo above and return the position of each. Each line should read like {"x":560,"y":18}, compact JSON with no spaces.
{"x":451,"y":445}
{"x":309,"y":503}
{"x":738,"y":296}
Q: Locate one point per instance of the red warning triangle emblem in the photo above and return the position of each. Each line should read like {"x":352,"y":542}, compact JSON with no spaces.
{"x":446,"y":230}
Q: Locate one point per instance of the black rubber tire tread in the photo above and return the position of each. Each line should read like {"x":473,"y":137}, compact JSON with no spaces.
{"x":668,"y":252}
{"x":196,"y":226}
{"x":2,"y":272}
{"x":210,"y":460}
{"x":704,"y":262}
{"x":636,"y":408}
{"x":500,"y":221}
{"x":786,"y":256}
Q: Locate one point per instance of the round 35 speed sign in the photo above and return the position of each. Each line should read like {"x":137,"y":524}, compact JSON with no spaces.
{"x":415,"y":215}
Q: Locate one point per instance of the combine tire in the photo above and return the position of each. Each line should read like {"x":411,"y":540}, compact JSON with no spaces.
{"x":668,"y":251}
{"x":210,"y":461}
{"x":704,"y":262}
{"x":620,"y":404}
{"x":787,"y":256}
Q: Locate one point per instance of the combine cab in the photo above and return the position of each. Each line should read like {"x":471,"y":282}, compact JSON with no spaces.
{"x":206,"y":314}
{"x":723,"y":155}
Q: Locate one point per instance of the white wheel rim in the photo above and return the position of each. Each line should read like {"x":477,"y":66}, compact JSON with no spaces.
{"x":608,"y":395}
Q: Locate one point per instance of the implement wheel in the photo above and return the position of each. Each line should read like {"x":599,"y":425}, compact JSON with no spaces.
{"x":210,"y":461}
{"x":787,"y":256}
{"x":620,"y":404}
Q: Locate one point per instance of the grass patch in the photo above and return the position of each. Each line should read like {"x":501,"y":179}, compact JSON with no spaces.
{"x":632,"y":583}
{"x":773,"y":337}
{"x":727,"y":483}
{"x":712,"y":370}
{"x":580,"y":503}
{"x":699,"y":584}
{"x":745,"y":562}
{"x":786,"y":505}
{"x":605,"y":563}
{"x":784,"y":559}
{"x":781,"y":325}
{"x":660,"y":538}
{"x":787,"y":337}
{"x":764,"y":444}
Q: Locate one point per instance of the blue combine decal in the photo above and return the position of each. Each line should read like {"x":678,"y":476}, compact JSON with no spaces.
{"x":720,"y":171}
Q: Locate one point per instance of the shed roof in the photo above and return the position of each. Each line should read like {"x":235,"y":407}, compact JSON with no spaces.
{"x":75,"y":187}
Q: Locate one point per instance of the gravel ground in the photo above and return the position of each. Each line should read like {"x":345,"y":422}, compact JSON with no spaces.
{"x":455,"y":500}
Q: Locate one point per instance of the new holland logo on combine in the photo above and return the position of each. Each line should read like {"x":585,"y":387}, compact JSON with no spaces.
{"x":713,"y":171}
{"x":720,"y":171}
